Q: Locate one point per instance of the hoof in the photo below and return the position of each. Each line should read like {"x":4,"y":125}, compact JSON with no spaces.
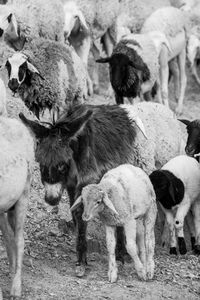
{"x":197,"y":249}
{"x":193,"y":242}
{"x":182,"y":246}
{"x":80,"y":270}
{"x":173,"y":251}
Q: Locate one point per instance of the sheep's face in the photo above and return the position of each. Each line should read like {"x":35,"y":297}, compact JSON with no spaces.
{"x":92,"y":198}
{"x":193,"y":48}
{"x":193,"y":141}
{"x":19,"y":70}
{"x":8,"y":25}
{"x":74,"y":19}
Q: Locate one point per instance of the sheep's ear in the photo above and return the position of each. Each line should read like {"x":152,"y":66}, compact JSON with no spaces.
{"x":140,"y":125}
{"x":33,"y":69}
{"x":82,"y":21}
{"x":12,"y":30}
{"x":39,"y":130}
{"x":19,"y":43}
{"x":103,"y":60}
{"x":186,"y":122}
{"x":76,"y":204}
{"x":109,"y":203}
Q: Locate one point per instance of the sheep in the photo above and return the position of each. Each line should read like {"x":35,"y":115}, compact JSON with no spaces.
{"x":48,"y":76}
{"x":173,"y":23}
{"x":22,"y":21}
{"x":3,"y":109}
{"x":134,"y":64}
{"x":87,"y":21}
{"x":124,"y":195}
{"x":177,"y":188}
{"x":88,"y":140}
{"x":16,"y":161}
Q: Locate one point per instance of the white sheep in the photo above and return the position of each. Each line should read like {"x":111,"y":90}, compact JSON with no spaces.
{"x":16,"y":159}
{"x":48,"y":76}
{"x":123,"y":196}
{"x":173,"y":23}
{"x":22,"y":21}
{"x":3,"y":109}
{"x":177,"y":188}
{"x":134,"y":64}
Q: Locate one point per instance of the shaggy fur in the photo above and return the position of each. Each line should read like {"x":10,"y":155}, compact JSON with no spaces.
{"x":64,"y":76}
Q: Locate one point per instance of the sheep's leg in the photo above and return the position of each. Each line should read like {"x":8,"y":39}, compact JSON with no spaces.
{"x":196,"y":213}
{"x":175,"y":72}
{"x":190,"y":224}
{"x":164,"y":75}
{"x":181,"y":213}
{"x":130,"y":233}
{"x":20,"y":214}
{"x":83,"y":53}
{"x":140,"y":241}
{"x":108,"y":45}
{"x":183,"y":80}
{"x":149,"y":224}
{"x":95,"y":71}
{"x":111,"y":244}
{"x":194,"y":73}
{"x":170,"y":222}
{"x":8,"y":236}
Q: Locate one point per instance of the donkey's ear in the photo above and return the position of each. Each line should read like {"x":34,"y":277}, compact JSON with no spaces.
{"x":76,"y":204}
{"x":186,"y":122}
{"x":76,"y":127}
{"x":104,"y":60}
{"x":39,"y":130}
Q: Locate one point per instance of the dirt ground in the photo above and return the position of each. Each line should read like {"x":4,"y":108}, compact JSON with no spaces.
{"x":48,"y":271}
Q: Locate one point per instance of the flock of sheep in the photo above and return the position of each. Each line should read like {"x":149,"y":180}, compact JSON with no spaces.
{"x":115,"y":161}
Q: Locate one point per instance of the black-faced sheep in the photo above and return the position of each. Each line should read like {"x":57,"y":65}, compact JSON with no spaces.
{"x":88,"y":141}
{"x":177,"y":188}
{"x":48,"y":76}
{"x":124,"y":197}
{"x":134,"y":64}
{"x":16,"y":159}
{"x":192,"y":145}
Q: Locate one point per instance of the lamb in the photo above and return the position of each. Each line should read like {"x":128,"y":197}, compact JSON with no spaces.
{"x":87,"y":141}
{"x":16,"y":161}
{"x":22,"y":21}
{"x":134,"y":65}
{"x":48,"y":76}
{"x":173,"y":23}
{"x":177,"y":187}
{"x":122,"y":197}
{"x":3,"y":110}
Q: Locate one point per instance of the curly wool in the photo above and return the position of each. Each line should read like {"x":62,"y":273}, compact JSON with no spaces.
{"x":168,"y":20}
{"x":65,"y":76}
{"x":38,"y":18}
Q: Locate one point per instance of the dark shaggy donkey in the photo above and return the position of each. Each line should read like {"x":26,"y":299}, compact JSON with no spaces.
{"x":193,"y":142}
{"x":88,"y":141}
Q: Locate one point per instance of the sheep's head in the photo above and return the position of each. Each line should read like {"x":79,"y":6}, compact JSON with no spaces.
{"x":120,"y":71}
{"x":93,"y":199}
{"x":193,"y":142}
{"x":19,"y":70}
{"x":74,"y":19}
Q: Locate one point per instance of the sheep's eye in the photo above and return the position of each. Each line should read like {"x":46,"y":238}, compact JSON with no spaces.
{"x":98,"y":202}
